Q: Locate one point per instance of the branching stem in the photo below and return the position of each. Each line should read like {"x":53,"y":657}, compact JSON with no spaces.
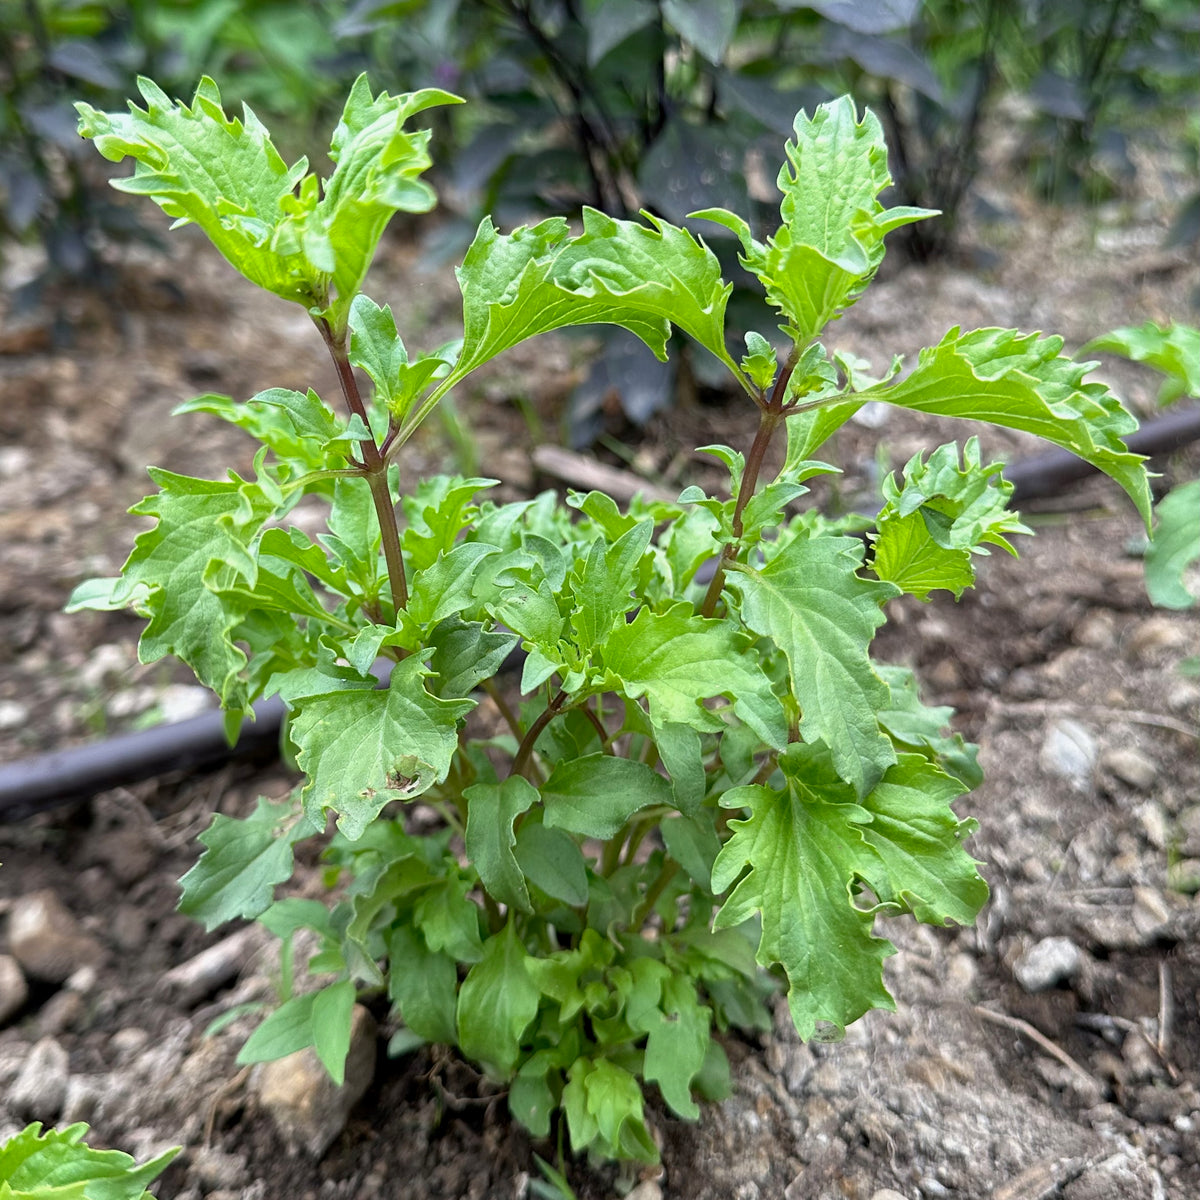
{"x":374,"y":468}
{"x":771,"y":416}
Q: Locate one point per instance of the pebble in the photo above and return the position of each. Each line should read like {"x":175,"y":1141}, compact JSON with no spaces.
{"x":646,"y":1190}
{"x":192,"y":981}
{"x":888,"y":1194}
{"x":111,"y":660}
{"x":1155,"y":634}
{"x":1131,"y":767}
{"x":1097,"y":629}
{"x":309,"y":1109}
{"x":218,"y":1168}
{"x":127,"y":852}
{"x":1047,"y":963}
{"x":13,"y":714}
{"x":14,"y":991}
{"x":1151,"y":914}
{"x":181,"y":701}
{"x":41,"y":1087}
{"x":47,"y":940}
{"x":62,"y":1013}
{"x":1154,"y":824}
{"x":1069,"y":751}
{"x":82,"y":1100}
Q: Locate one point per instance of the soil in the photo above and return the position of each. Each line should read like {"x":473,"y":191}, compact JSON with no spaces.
{"x":1089,"y":816}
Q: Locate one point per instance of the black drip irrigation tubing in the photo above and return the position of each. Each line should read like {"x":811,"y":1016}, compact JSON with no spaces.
{"x":47,"y":781}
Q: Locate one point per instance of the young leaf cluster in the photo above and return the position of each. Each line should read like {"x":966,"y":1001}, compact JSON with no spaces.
{"x":696,"y":783}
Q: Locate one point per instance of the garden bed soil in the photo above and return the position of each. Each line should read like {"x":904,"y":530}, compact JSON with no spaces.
{"x":978,"y":1086}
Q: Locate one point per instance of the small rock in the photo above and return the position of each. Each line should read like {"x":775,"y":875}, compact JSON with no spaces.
{"x":1069,"y":750}
{"x":61,"y":1013}
{"x":41,"y":1087}
{"x":47,"y":940}
{"x":1155,"y":634}
{"x":1184,"y":697}
{"x":129,"y":927}
{"x":1151,"y":914}
{"x":180,"y":701}
{"x":13,"y":714}
{"x":1046,"y":964}
{"x":125,"y":1043}
{"x":1131,"y":767}
{"x":192,"y":981}
{"x":888,"y":1194}
{"x":309,"y":1109}
{"x":1154,"y":823}
{"x":109,"y":661}
{"x":83,"y":981}
{"x":218,"y":1168}
{"x":1097,"y":629}
{"x":646,"y":1190}
{"x":14,"y":991}
{"x":127,"y":852}
{"x":82,"y":1100}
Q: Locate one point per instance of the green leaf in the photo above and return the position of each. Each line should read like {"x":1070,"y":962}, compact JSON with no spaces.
{"x":490,"y":837}
{"x":693,"y":843}
{"x":551,"y":860}
{"x":422,"y":983}
{"x":223,"y":175}
{"x":611,"y":22}
{"x":805,"y":848}
{"x":931,"y":524}
{"x":914,"y":726}
{"x":449,"y":918}
{"x":465,"y":653}
{"x":604,"y":1105}
{"x":831,"y":241}
{"x":361,"y":749}
{"x":204,"y":532}
{"x":378,"y":171}
{"x":496,"y":1003}
{"x":681,"y":752}
{"x":530,"y":1098}
{"x":811,"y":602}
{"x":707,"y":24}
{"x":320,"y":1019}
{"x":605,"y":583}
{"x":918,"y":839}
{"x":1175,"y":547}
{"x":444,"y":588}
{"x":376,"y":348}
{"x":244,"y":860}
{"x":616,"y":272}
{"x":761,"y":363}
{"x":679,"y":660}
{"x":59,"y":1165}
{"x":1172,"y":349}
{"x":596,"y":794}
{"x":677,"y":1044}
{"x":1021,"y":381}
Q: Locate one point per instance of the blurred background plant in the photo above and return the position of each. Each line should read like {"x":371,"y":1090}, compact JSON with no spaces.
{"x":669,"y":105}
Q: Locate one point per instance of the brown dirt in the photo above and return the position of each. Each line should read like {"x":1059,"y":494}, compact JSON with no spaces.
{"x":973,"y":1088}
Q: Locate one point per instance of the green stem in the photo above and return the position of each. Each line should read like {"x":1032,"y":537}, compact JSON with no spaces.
{"x":374,"y":468}
{"x":771,"y":415}
{"x":641,"y":914}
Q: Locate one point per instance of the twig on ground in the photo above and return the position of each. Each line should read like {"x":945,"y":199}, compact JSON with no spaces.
{"x":1136,"y":715}
{"x":1038,"y":1038}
